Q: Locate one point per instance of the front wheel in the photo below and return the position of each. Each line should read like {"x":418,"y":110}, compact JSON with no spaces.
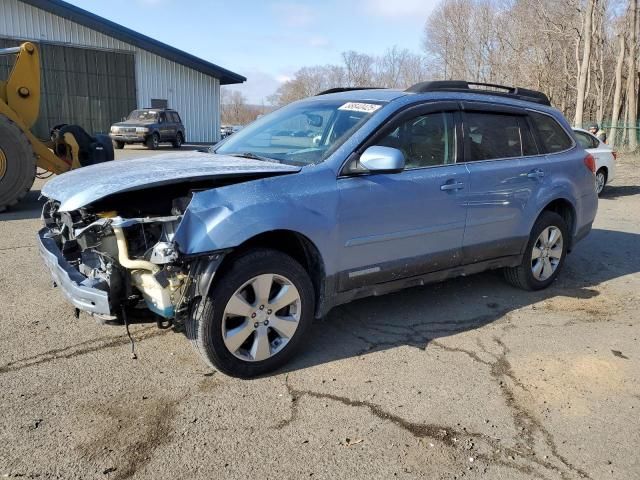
{"x":153,"y":141}
{"x":544,"y":256}
{"x":255,"y":316}
{"x":118,"y":144}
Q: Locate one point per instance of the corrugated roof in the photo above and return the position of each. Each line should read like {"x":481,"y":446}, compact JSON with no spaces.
{"x":102,"y":25}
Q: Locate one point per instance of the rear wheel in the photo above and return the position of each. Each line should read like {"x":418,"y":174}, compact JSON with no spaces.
{"x":153,"y":141}
{"x":255,"y":316}
{"x":544,"y":255}
{"x":17,"y":164}
{"x":601,"y":180}
{"x":177,"y":143}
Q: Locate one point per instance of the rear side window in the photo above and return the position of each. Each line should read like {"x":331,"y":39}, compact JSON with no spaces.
{"x":585,"y":140}
{"x":490,"y":136}
{"x":552,"y":135}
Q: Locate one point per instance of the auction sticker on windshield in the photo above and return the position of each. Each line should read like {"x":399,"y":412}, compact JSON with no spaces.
{"x":360,"y":107}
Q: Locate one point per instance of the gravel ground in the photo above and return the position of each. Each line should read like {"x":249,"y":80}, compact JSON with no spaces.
{"x":466,"y":379}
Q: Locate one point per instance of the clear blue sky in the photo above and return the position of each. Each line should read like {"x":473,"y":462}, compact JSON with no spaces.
{"x":267,"y":41}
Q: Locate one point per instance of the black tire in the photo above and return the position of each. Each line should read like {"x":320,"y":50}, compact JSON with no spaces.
{"x":177,"y":143}
{"x":601,"y":173}
{"x":152,"y":141}
{"x":204,"y":325}
{"x":522,"y":275}
{"x":117,"y":144}
{"x":17,"y":164}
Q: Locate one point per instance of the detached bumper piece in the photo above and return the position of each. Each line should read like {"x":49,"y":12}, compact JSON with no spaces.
{"x":81,"y":291}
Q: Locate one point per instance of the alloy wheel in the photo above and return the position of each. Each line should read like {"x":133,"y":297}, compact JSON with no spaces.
{"x":547,"y":253}
{"x":600,"y":181}
{"x":261,"y":317}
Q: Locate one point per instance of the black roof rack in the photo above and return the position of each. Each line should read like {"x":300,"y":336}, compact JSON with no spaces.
{"x":344,"y":89}
{"x":485,"y":88}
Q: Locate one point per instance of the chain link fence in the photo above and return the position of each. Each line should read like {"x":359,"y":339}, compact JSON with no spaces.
{"x":621,"y":135}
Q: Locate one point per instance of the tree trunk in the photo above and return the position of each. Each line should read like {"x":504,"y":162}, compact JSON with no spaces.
{"x":615,"y":111}
{"x":632,"y":106}
{"x":583,"y":67}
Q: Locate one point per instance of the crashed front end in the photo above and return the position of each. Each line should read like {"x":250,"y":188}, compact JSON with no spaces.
{"x":108,"y":265}
{"x":109,"y":236}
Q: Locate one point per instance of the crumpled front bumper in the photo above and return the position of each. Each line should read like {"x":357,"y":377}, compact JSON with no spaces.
{"x":80,"y":291}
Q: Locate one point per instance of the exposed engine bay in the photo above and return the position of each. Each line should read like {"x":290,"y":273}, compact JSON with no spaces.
{"x":111,"y":238}
{"x":124,"y":245}
{"x":133,"y":258}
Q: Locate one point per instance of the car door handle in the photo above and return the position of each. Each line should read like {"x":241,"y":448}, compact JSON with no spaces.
{"x":451,"y":186}
{"x":537,"y":173}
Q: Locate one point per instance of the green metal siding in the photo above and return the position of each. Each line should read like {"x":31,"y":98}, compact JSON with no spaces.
{"x":86,"y":87}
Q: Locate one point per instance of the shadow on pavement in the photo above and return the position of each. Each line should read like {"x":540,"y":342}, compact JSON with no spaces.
{"x":419,"y":315}
{"x":28,"y":208}
{"x":612,"y":192}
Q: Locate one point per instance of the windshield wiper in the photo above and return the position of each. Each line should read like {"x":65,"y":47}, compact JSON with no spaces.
{"x":253,"y":156}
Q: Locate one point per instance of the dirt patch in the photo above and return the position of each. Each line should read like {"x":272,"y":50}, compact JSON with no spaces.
{"x":602,"y":306}
{"x":123,"y":436}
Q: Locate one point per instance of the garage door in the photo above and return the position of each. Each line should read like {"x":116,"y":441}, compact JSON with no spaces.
{"x":90,"y":88}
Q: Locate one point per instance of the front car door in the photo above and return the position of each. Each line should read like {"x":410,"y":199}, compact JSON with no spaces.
{"x":505,"y":172}
{"x":397,"y":225}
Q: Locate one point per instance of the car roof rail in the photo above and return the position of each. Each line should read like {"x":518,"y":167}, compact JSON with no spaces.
{"x":478,"y":87}
{"x":344,"y":89}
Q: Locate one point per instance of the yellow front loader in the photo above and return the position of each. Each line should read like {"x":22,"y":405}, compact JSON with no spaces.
{"x":21,"y":153}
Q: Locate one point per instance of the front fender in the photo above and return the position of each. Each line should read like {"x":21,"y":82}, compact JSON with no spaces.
{"x":225,"y":217}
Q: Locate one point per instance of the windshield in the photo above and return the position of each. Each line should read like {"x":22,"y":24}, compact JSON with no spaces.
{"x":302,"y":133}
{"x":143,"y":115}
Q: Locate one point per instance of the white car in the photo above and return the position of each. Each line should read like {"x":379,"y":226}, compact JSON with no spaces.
{"x":604,"y":155}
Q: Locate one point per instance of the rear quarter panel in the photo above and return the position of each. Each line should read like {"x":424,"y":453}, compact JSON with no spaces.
{"x":566,"y":177}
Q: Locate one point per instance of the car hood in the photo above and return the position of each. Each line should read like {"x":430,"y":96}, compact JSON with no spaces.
{"x":80,"y":187}
{"x":134,"y":123}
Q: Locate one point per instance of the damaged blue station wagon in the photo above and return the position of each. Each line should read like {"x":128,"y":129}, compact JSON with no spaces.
{"x":347,"y":194}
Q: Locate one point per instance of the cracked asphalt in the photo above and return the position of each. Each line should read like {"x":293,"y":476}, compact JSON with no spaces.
{"x":466,"y":379}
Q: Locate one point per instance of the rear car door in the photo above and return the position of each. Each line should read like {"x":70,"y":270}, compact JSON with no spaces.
{"x":505,"y":172}
{"x":165,"y":126}
{"x":396,"y":225}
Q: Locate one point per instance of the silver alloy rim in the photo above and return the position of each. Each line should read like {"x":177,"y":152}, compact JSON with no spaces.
{"x":599,"y":182}
{"x":546,"y":254}
{"x":261,"y":317}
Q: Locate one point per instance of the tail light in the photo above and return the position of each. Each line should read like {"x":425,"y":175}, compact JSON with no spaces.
{"x":615,"y":155}
{"x":590,"y":162}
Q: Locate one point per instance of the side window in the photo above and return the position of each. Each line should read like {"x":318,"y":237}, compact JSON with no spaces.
{"x":585,"y":140}
{"x":426,"y":140}
{"x":554,"y":138}
{"x":163,"y":117}
{"x":176,"y":117}
{"x":490,"y":136}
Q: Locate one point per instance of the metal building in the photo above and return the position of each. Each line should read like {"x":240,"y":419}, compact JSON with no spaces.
{"x":96,"y":71}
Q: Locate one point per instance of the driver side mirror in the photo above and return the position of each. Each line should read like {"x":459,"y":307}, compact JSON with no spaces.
{"x":378,"y":159}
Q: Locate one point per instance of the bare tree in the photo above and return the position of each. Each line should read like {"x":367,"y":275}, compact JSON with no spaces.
{"x":234,"y":109}
{"x":632,"y":74}
{"x":586,"y":35}
{"x":615,"y":111}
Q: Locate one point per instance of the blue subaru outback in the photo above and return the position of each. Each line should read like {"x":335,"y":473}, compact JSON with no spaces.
{"x":351,"y":193}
